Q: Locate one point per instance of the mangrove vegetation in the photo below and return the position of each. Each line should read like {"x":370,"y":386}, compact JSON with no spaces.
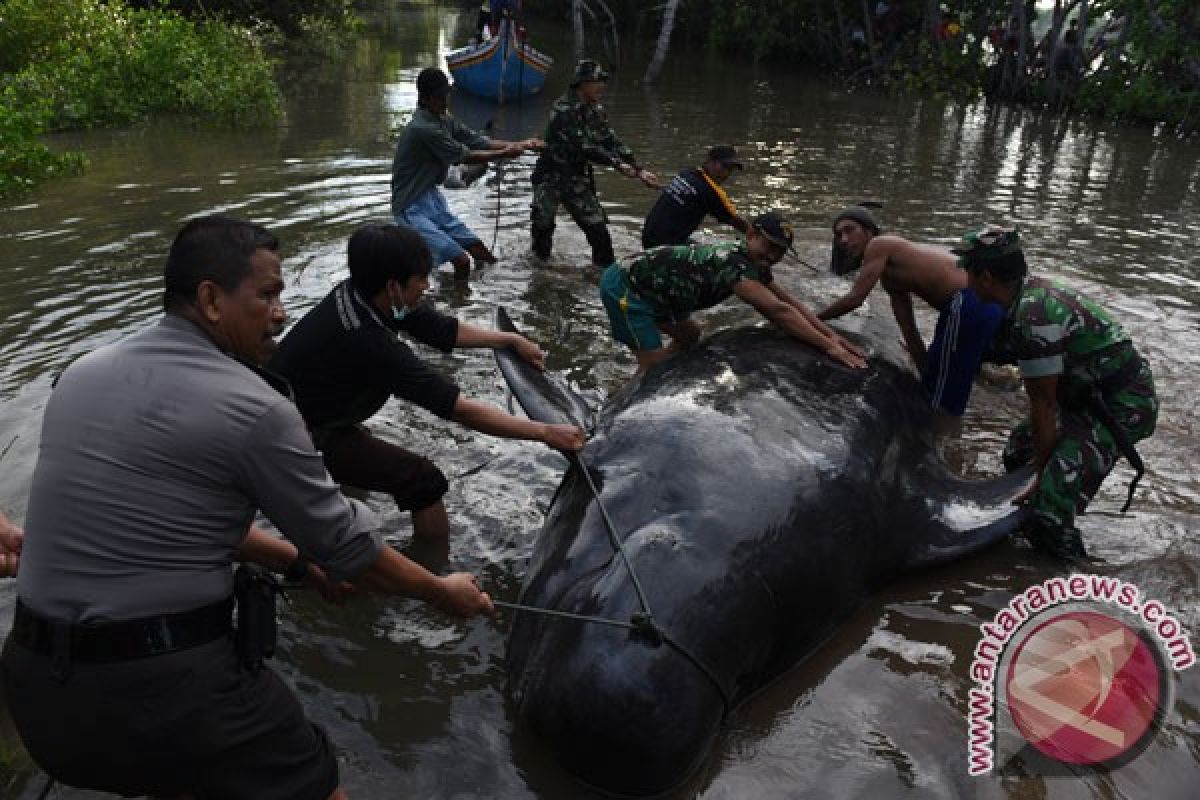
{"x":1136,"y":60}
{"x":77,"y":64}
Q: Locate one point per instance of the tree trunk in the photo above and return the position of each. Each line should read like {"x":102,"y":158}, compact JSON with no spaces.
{"x":1021,"y":78}
{"x":841,"y":33}
{"x":822,"y":37}
{"x":577,"y":20}
{"x":664,"y":43}
{"x":869,"y":30}
{"x":933,"y":22}
{"x":611,"y":41}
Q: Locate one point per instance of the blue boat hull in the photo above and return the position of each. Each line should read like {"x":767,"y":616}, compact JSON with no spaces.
{"x":501,"y":69}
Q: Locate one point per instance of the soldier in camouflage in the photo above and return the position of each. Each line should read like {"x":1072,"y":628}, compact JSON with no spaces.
{"x":657,"y":290}
{"x":578,"y":136}
{"x":1091,"y":395}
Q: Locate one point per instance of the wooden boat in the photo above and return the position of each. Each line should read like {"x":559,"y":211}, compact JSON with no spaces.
{"x":502,"y":69}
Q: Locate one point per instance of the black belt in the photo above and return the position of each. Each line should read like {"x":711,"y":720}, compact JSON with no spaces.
{"x":121,"y":641}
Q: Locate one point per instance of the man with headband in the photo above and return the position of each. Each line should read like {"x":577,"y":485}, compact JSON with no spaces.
{"x":1091,"y":395}
{"x":965,"y":325}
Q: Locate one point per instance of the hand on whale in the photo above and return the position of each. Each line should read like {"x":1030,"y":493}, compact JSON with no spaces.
{"x":759,"y":492}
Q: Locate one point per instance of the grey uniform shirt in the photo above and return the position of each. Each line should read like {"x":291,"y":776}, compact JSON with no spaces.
{"x":155,"y":453}
{"x":424,"y":153}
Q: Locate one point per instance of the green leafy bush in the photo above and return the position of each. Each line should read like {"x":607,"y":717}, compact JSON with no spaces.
{"x":86,"y":63}
{"x":113,"y":65}
{"x":24,"y":160}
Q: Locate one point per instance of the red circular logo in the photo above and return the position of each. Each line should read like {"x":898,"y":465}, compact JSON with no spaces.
{"x":1085,"y":688}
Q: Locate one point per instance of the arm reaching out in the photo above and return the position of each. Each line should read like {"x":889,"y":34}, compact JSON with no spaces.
{"x":475,"y":336}
{"x":1043,"y":418}
{"x":486,"y":418}
{"x":458,"y":594}
{"x":875,"y":260}
{"x":812,"y":319}
{"x":903,"y":309}
{"x":793,"y":322}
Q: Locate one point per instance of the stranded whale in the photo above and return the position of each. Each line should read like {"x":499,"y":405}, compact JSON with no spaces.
{"x":758,"y":493}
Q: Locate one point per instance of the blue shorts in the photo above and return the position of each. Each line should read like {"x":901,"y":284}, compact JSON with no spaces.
{"x":442,"y":231}
{"x":965,"y":329}
{"x":631,"y":319}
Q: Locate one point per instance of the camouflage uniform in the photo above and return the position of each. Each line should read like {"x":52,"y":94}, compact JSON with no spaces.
{"x":1053,"y":330}
{"x":665,"y":284}
{"x":577,"y":136}
{"x":679,"y":279}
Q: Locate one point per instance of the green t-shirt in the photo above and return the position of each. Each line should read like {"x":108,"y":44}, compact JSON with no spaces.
{"x":424,"y":153}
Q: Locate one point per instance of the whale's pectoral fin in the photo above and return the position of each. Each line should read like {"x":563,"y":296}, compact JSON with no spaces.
{"x":964,"y":516}
{"x":544,"y":396}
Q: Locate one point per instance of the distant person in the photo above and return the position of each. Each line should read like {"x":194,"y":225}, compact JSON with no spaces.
{"x":966,"y":325}
{"x":578,"y":136}
{"x":1068,"y":58}
{"x":432,"y":142}
{"x":483,"y":22}
{"x":345,"y":359}
{"x":504,"y":9}
{"x":121,"y":672}
{"x":690,"y":196}
{"x":655,"y":292}
{"x":11,"y":537}
{"x":1091,"y":395}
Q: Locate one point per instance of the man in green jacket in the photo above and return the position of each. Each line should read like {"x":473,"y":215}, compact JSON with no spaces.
{"x":577,"y":137}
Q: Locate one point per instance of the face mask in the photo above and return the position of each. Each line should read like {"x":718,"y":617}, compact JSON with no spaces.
{"x":400,"y":313}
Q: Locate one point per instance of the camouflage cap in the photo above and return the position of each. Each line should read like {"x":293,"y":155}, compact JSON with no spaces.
{"x":589,"y":70}
{"x":995,"y":248}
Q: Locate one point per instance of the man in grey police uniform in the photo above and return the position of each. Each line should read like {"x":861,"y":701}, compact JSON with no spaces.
{"x":156,"y":451}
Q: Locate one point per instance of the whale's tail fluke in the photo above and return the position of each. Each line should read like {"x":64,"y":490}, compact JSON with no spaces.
{"x":545,"y":397}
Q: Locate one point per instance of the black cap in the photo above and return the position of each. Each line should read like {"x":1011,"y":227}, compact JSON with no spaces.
{"x":432,"y":82}
{"x":724,"y":154}
{"x":860,"y":214}
{"x":771,"y":225}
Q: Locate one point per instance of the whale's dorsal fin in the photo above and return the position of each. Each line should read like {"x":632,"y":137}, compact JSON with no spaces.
{"x":544,"y":396}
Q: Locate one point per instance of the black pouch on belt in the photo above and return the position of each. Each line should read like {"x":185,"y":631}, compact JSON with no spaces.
{"x":255,"y":590}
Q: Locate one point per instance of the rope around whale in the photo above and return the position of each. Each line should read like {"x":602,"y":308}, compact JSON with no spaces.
{"x":642,"y":623}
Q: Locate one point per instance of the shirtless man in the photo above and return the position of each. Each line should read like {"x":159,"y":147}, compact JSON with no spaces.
{"x":965,"y":325}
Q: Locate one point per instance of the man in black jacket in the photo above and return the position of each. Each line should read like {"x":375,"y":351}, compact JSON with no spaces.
{"x":690,"y":196}
{"x":344,"y":360}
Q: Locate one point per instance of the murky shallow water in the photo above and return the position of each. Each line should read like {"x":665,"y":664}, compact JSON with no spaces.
{"x":416,"y":702}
